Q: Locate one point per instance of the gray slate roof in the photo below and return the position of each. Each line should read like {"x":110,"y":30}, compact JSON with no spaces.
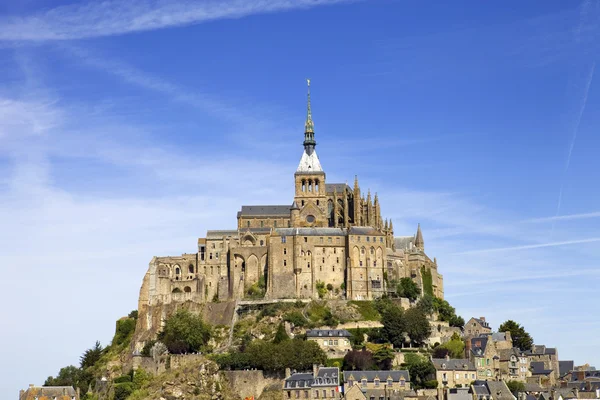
{"x":217,"y":234}
{"x":564,"y":367}
{"x":327,"y":333}
{"x":371,"y":375}
{"x":453,"y":364}
{"x":499,"y":336}
{"x":478,"y":350}
{"x":538,"y":368}
{"x":265,"y":211}
{"x":326,"y":376}
{"x":364,"y":230}
{"x":339,"y":187}
{"x":403,"y":242}
{"x":310,"y":231}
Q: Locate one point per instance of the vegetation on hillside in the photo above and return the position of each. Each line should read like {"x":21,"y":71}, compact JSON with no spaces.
{"x":185,"y":332}
{"x":95,"y":358}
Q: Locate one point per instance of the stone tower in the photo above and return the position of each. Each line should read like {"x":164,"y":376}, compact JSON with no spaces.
{"x":309,"y":179}
{"x":419,"y":243}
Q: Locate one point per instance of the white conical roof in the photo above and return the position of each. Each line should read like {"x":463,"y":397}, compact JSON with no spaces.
{"x":309,"y":163}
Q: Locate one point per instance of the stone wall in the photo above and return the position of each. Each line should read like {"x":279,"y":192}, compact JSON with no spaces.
{"x":249,"y":383}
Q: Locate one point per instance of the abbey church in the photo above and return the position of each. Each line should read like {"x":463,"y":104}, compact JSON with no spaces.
{"x":329,"y":241}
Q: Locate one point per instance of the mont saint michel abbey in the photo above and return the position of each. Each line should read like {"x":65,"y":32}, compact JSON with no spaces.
{"x":329,"y":235}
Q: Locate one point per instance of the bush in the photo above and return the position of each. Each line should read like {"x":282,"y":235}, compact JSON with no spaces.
{"x":123,"y":390}
{"x":133,"y":314}
{"x":431,"y":384}
{"x":361,"y":360}
{"x":321,"y":289}
{"x":123,"y":378}
{"x":408,"y":288}
{"x":124,"y":331}
{"x":329,"y":287}
{"x":185,"y":333}
{"x":147,"y":350}
{"x":427,"y":281}
{"x":296,"y":318}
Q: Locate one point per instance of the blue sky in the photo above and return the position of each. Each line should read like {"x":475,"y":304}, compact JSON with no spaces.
{"x":128,"y":130}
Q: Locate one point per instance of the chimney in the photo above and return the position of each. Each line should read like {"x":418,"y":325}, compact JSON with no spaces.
{"x":482,"y":318}
{"x":468,"y":348}
{"x":31,"y":385}
{"x":315,"y":370}
{"x":78,"y":394}
{"x":447,"y":356}
{"x":288,"y":373}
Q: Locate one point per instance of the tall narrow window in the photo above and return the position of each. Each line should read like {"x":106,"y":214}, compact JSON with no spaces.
{"x":262,"y":224}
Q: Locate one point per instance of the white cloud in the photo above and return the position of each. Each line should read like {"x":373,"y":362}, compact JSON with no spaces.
{"x":112,"y":17}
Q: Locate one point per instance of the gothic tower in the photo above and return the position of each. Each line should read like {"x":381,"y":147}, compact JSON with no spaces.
{"x":309,"y":179}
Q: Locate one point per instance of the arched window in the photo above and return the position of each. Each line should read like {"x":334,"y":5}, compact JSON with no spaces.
{"x":191,"y":268}
{"x":303,"y":185}
{"x":187,"y":289}
{"x":262,"y":243}
{"x":362,"y":250}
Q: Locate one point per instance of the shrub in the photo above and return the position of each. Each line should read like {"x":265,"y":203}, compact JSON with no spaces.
{"x":329,"y":287}
{"x":185,"y":332}
{"x":296,"y":318}
{"x":123,"y":390}
{"x":147,"y":350}
{"x":123,"y":378}
{"x":124,"y":331}
{"x":321,"y":289}
{"x":427,"y":281}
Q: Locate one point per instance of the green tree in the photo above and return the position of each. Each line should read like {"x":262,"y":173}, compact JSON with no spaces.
{"x":281,"y":335}
{"x":408,"y":288}
{"x":416,"y":325}
{"x":124,"y":330}
{"x":394,"y":325}
{"x":426,"y":304}
{"x":420,"y":372}
{"x":520,"y":337}
{"x":133,"y":314}
{"x":359,"y":360}
{"x":455,"y":348}
{"x":515,"y":386}
{"x":184,"y":332}
{"x":384,"y":357}
{"x":90,"y":356}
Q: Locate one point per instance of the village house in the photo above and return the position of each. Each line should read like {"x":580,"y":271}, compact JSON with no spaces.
{"x":451,"y":373}
{"x":321,"y":383}
{"x":376,"y":384}
{"x":483,"y":354}
{"x":49,"y":393}
{"x":549,"y":357}
{"x":491,"y":390}
{"x":514,"y":365}
{"x":477,"y":326}
{"x":334,"y":342}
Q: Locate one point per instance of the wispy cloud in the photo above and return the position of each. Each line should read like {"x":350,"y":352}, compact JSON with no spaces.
{"x":112,"y":17}
{"x":532,"y":246}
{"x":584,"y":99}
{"x":595,"y":214}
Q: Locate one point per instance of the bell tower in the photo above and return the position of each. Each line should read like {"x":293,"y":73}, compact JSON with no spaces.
{"x":310,"y":195}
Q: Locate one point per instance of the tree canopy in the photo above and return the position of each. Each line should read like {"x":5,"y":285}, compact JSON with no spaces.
{"x":408,"y":288}
{"x":416,"y":325}
{"x":520,"y":337}
{"x":184,"y":332}
{"x":394,"y":325}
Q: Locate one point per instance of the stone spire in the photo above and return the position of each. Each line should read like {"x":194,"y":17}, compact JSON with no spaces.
{"x":309,"y":161}
{"x":419,"y":243}
{"x":309,"y":126}
{"x":385,"y":227}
